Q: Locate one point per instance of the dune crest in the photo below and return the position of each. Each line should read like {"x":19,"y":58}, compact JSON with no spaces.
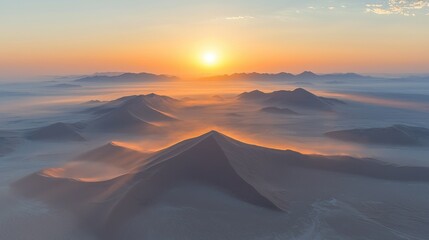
{"x":298,"y":98}
{"x":245,"y":172}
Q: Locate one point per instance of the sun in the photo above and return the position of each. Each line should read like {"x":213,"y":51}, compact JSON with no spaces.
{"x":210,"y":58}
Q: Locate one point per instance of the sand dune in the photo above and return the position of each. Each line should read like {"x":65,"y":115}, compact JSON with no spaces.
{"x":121,"y":121}
{"x":394,"y":135}
{"x":113,"y":154}
{"x":149,"y":107}
{"x":103,"y":163}
{"x":299,"y":98}
{"x":56,"y":132}
{"x":214,"y":161}
{"x":133,"y":114}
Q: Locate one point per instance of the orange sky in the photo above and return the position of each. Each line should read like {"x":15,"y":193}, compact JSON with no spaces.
{"x":45,"y":38}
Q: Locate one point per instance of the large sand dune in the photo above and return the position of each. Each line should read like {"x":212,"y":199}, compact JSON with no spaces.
{"x":121,"y":121}
{"x":299,"y":98}
{"x":133,"y":114}
{"x":115,"y":154}
{"x":151,"y":107}
{"x":247,"y":173}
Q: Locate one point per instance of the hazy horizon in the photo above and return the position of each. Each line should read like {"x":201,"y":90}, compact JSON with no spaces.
{"x":63,"y":38}
{"x":67,"y":77}
{"x":227,"y":119}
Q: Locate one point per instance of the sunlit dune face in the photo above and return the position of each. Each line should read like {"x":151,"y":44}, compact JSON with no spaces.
{"x":85,"y":171}
{"x":210,"y":58}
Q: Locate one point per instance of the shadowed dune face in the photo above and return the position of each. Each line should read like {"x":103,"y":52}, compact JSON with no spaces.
{"x":85,"y":171}
{"x":121,"y":120}
{"x":133,"y":114}
{"x":56,"y":132}
{"x":114,"y":154}
{"x":149,"y":107}
{"x":245,"y":172}
{"x":297,"y":98}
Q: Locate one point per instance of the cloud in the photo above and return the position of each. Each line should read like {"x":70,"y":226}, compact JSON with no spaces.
{"x":238,"y":18}
{"x":399,"y":7}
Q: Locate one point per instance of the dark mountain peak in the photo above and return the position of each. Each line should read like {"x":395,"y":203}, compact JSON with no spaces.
{"x":307,"y":74}
{"x":285,"y":74}
{"x":296,"y":98}
{"x":256,"y":91}
{"x":212,"y":133}
{"x":126,"y":77}
{"x":253,"y":95}
{"x":302,"y":91}
{"x":153,"y":95}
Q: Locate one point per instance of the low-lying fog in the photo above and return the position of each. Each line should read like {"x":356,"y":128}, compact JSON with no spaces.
{"x":211,"y":105}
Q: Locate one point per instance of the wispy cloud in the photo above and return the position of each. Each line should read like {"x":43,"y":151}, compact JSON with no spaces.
{"x":399,"y":7}
{"x":238,"y":18}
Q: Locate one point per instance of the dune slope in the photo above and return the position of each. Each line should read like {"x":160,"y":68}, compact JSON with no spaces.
{"x":244,"y":172}
{"x":56,"y":132}
{"x":299,"y":98}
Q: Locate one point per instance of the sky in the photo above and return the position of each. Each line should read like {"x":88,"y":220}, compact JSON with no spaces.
{"x":59,"y":37}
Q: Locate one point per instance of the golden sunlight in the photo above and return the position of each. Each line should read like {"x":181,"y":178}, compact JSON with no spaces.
{"x":210,"y":58}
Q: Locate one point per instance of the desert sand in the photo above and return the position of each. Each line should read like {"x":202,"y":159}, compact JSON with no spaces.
{"x":254,"y":165}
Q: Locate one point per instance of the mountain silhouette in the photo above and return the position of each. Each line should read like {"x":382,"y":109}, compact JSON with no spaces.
{"x":125,"y":77}
{"x":299,"y":97}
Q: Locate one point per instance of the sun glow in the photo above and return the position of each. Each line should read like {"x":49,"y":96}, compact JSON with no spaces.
{"x":210,"y":58}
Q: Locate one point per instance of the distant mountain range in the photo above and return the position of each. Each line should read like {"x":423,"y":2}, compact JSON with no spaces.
{"x":125,"y":77}
{"x":307,"y":75}
{"x":255,"y":76}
